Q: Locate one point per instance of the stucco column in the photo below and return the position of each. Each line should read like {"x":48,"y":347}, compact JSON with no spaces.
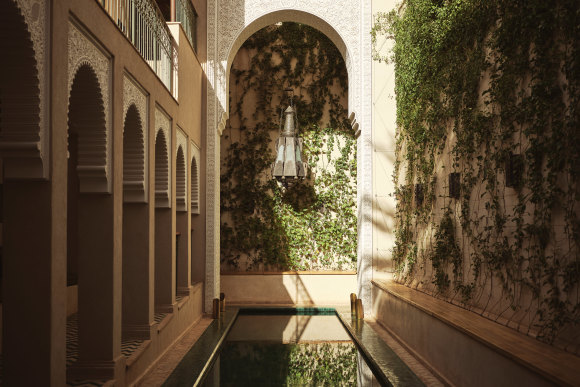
{"x":138,"y":271}
{"x":164,"y":261}
{"x":183,"y":257}
{"x":34,"y":286}
{"x":99,"y":270}
{"x":365,"y":161}
{"x":212,"y":235}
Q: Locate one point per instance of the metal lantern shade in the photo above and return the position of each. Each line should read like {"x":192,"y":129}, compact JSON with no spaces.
{"x":288,"y":164}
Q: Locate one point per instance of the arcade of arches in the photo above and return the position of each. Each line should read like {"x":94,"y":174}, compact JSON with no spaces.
{"x":111,"y":117}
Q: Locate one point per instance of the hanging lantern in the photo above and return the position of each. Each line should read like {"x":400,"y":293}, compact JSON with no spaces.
{"x":288,"y":165}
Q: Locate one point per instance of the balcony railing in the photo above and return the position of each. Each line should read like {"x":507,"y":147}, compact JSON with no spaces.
{"x":186,"y":15}
{"x":143,"y":24}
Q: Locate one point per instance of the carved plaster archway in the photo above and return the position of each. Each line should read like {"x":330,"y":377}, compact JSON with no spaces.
{"x":347,"y":23}
{"x":162,"y":159}
{"x":87,"y":119}
{"x":181,"y":172}
{"x":135,"y":140}
{"x":24,"y":134}
{"x":194,"y":188}
{"x":85,"y":56}
{"x":162,"y":187}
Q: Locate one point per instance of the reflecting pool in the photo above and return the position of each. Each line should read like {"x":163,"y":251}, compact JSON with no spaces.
{"x":293,"y":350}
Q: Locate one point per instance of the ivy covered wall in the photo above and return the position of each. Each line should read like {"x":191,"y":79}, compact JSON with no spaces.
{"x":488,"y":158}
{"x":312,"y":224}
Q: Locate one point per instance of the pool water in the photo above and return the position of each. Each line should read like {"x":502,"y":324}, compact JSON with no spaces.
{"x":282,"y":350}
{"x":290,"y":347}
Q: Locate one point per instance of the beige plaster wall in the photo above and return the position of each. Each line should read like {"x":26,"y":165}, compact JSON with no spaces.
{"x":461,"y":359}
{"x":297,"y":288}
{"x":383,"y":138}
{"x":288,"y":329}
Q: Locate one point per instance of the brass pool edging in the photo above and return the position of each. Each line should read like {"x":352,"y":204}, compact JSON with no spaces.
{"x":216,"y":349}
{"x":376,"y":369}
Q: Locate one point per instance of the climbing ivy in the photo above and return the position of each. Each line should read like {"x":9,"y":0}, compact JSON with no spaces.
{"x":310,"y":225}
{"x":480,"y":83}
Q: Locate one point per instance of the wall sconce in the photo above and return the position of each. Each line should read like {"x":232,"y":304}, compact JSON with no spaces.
{"x":454,"y":185}
{"x":514,"y":168}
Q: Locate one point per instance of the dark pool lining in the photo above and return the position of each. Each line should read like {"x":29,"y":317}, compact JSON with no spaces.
{"x":191,"y":364}
{"x":196,"y":363}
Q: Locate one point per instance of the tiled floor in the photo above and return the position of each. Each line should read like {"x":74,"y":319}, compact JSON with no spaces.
{"x":159,"y":316}
{"x":72,"y":339}
{"x":128,"y":347}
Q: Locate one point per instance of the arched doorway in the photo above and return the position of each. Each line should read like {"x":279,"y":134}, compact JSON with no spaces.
{"x":26,"y":243}
{"x":182,"y":266}
{"x":164,"y":230}
{"x":137,"y":313}
{"x":235,"y":22}
{"x":197,"y":258}
{"x":274,"y":227}
{"x":91,"y":333}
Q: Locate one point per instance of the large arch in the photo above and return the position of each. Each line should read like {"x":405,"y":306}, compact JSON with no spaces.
{"x":194,"y":188}
{"x":133,"y":156}
{"x":347,"y":24}
{"x":90,"y":234}
{"x":23,"y":137}
{"x":162,"y":187}
{"x":182,"y":219}
{"x":136,"y":272}
{"x":164,"y":288}
{"x":94,"y":167}
{"x":135,"y":139}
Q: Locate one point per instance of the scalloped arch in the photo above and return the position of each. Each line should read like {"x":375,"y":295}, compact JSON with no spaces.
{"x":162,"y":186}
{"x":180,"y":180}
{"x":194,"y":188}
{"x":86,"y":117}
{"x":351,"y":21}
{"x":133,"y":157}
{"x":21,"y":116}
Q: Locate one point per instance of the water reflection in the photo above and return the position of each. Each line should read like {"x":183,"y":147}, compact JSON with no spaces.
{"x":289,"y":350}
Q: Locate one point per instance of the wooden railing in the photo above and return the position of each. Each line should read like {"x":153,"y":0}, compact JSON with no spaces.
{"x":143,"y":24}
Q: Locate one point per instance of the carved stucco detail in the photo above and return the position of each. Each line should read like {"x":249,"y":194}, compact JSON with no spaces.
{"x":136,"y":186}
{"x":83,"y":50}
{"x":163,"y":191}
{"x":26,"y":150}
{"x":181,"y":171}
{"x":347,"y":23}
{"x":365,"y":161}
{"x":341,"y":23}
{"x":212,"y":273}
{"x":194,"y":187}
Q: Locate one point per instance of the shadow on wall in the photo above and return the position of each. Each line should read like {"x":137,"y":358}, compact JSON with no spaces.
{"x":289,"y":288}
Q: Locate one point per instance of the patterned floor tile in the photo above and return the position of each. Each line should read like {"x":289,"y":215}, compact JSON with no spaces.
{"x":128,"y":347}
{"x":159,"y":316}
{"x":72,"y":339}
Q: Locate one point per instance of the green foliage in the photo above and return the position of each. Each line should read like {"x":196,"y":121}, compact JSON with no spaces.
{"x":312,"y":224}
{"x":487,"y":78}
{"x":304,"y":364}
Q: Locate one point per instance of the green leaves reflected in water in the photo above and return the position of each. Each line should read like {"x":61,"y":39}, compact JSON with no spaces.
{"x":304,"y":364}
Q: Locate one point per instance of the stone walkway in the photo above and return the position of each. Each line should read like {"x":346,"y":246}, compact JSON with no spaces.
{"x":165,"y":366}
{"x":415,"y":365}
